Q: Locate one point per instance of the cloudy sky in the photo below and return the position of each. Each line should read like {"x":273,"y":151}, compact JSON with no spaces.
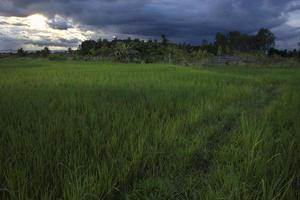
{"x":60,"y":24}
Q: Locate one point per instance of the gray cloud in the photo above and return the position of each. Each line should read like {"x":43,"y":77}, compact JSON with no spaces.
{"x":12,"y":24}
{"x":3,"y":23}
{"x":49,"y":42}
{"x":59,"y":23}
{"x":184,"y":21}
{"x":18,"y":24}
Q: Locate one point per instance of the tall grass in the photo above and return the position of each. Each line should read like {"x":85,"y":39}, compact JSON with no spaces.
{"x":78,"y":130}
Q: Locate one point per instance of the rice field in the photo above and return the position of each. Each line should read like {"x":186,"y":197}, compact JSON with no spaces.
{"x":82,"y":131}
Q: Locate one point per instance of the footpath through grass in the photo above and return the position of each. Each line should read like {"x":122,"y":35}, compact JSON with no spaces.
{"x":78,"y":130}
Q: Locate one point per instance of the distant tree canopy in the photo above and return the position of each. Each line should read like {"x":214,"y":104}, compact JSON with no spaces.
{"x":224,"y":44}
{"x":236,"y":41}
{"x":45,"y":52}
{"x":265,"y":39}
{"x":21,"y":52}
{"x":86,"y":46}
{"x":164,"y":39}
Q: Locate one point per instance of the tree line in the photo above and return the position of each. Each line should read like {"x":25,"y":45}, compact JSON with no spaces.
{"x":149,"y":51}
{"x":163,"y":50}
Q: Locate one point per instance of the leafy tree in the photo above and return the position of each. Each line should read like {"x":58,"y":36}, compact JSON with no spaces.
{"x":99,"y":43}
{"x":21,"y":52}
{"x":70,"y":51}
{"x":210,"y":48}
{"x":235,"y":40}
{"x":93,"y":52}
{"x":220,"y":51}
{"x":45,"y":52}
{"x":122,"y":51}
{"x":164,"y":39}
{"x":221,"y":42}
{"x":200,"y":55}
{"x":86,"y":46}
{"x":265,"y":39}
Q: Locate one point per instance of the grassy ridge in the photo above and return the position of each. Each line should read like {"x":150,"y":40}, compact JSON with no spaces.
{"x":77,"y":130}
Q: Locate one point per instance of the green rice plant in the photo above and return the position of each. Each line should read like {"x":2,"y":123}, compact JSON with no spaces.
{"x":87,"y":130}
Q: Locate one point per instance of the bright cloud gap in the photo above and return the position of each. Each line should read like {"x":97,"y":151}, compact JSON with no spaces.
{"x":36,"y":31}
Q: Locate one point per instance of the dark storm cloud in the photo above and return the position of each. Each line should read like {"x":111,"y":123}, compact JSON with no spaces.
{"x":188,"y":20}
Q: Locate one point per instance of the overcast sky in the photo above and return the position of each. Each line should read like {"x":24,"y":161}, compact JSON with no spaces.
{"x":59,"y":24}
